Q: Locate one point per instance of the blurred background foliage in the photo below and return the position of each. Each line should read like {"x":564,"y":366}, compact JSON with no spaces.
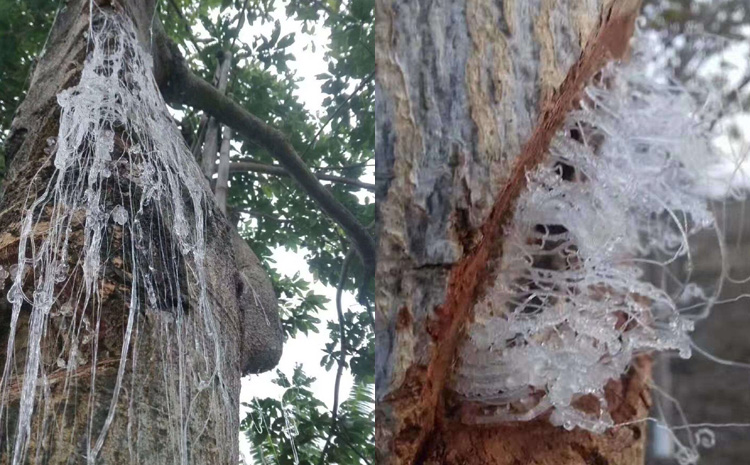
{"x":705,"y":44}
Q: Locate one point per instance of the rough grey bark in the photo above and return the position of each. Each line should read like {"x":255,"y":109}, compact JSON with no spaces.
{"x":468,"y":96}
{"x":239,"y":291}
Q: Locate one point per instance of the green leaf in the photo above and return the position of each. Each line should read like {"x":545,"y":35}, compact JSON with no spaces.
{"x":286,"y":41}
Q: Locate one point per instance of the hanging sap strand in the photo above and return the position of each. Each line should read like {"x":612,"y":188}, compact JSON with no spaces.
{"x":124,"y":211}
{"x":571,"y":307}
{"x":290,"y":428}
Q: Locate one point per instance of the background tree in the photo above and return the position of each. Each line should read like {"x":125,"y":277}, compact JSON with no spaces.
{"x":705,"y":47}
{"x":269,"y":208}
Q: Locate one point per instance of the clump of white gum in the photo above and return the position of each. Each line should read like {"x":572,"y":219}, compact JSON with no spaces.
{"x":149,"y":189}
{"x":623,"y":186}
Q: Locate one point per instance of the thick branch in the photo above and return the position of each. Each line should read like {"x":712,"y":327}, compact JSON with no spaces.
{"x":242,"y":166}
{"x":210,"y":146}
{"x":187,"y":88}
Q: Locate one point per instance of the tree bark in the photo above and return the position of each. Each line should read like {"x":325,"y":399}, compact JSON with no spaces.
{"x":70,"y":413}
{"x":469,"y":95}
{"x":211,"y":144}
{"x":222,"y":179}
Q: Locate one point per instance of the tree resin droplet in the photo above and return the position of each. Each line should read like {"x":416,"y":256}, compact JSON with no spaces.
{"x":66,"y":309}
{"x":705,"y":438}
{"x":62,"y":273}
{"x":120,"y":215}
{"x":15,"y":295}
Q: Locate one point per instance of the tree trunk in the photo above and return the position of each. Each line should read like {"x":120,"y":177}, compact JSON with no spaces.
{"x":211,"y":144}
{"x":222,"y":179}
{"x":167,"y":411}
{"x":469,"y":96}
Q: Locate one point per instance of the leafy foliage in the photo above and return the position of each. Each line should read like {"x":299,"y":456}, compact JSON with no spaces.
{"x":24,"y":25}
{"x":697,"y":35}
{"x":360,"y":350}
{"x":266,"y":427}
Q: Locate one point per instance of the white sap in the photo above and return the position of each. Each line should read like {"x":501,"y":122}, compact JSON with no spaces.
{"x":571,"y":306}
{"x":120,"y":163}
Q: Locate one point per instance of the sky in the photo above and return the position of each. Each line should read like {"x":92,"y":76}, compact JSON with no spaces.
{"x":305,"y":350}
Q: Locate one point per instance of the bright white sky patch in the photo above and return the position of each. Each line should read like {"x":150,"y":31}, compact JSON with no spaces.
{"x":304,"y":350}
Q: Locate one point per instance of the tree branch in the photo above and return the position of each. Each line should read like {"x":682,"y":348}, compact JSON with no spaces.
{"x":222,"y":180}
{"x":361,"y":85}
{"x":185,"y":24}
{"x":211,"y":143}
{"x":185,"y":87}
{"x":242,"y":166}
{"x":342,"y":356}
{"x":345,"y":167}
{"x":197,"y":148}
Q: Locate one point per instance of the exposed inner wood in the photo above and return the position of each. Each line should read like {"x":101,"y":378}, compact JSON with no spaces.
{"x":538,"y":442}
